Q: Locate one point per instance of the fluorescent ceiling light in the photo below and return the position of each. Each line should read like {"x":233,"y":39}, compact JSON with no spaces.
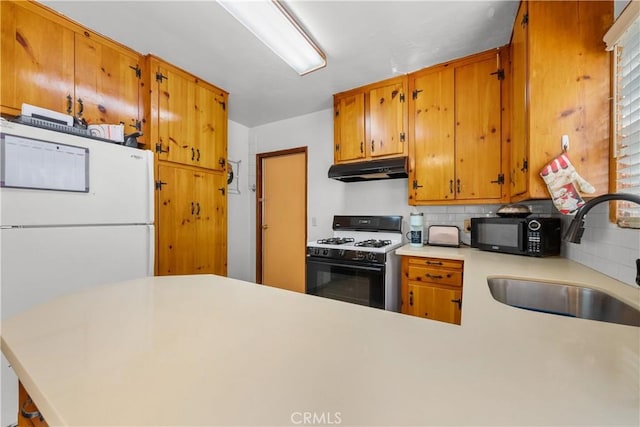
{"x":270,"y":22}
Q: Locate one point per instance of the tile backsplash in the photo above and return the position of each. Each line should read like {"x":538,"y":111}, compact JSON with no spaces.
{"x":605,"y":247}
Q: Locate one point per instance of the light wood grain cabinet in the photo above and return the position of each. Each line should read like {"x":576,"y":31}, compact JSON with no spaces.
{"x":52,"y":62}
{"x":432,"y":288}
{"x":187,"y":127}
{"x":191,"y":219}
{"x":456,"y":131}
{"x":561,"y":86}
{"x":188,"y":117}
{"x":370,"y":122}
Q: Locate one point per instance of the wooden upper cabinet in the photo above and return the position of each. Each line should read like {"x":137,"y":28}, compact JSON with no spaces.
{"x":37,"y":60}
{"x":54,"y":63}
{"x":433,"y":154}
{"x":387,"y":116}
{"x":107,"y":82}
{"x":457,"y":133}
{"x":188,"y":122}
{"x":370,"y":122}
{"x":349,"y":127}
{"x":561,"y":86}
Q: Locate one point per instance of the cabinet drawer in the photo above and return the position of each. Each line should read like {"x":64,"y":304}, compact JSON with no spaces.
{"x":435,"y":275}
{"x":435,"y":262}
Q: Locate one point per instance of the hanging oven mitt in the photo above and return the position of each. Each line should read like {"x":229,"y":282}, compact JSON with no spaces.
{"x":561,"y":179}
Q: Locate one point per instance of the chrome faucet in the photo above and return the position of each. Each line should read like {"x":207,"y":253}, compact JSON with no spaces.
{"x":576,"y":228}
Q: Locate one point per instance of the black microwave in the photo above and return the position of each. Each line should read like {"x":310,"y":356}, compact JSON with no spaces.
{"x":532,"y":236}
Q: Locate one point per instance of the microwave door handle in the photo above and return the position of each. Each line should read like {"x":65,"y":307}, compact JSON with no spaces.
{"x":521,"y":236}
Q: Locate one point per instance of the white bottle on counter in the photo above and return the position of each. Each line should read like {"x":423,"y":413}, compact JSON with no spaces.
{"x":416,"y":229}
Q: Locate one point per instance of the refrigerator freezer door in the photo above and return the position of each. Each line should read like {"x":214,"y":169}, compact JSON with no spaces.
{"x":120,"y":186}
{"x":42,"y":263}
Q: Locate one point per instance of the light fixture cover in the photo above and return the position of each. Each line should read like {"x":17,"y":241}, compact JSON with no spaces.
{"x":270,"y":22}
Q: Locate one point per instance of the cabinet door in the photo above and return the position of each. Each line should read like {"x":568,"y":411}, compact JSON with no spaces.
{"x":176,"y":121}
{"x":349,"y":131}
{"x":386,"y":118}
{"x":107,"y":82}
{"x":434,"y":302}
{"x":37,"y":60}
{"x":176,"y":221}
{"x":210,"y":252}
{"x":432,"y":111}
{"x":478,"y":130}
{"x":519,"y":138}
{"x":211,"y":128}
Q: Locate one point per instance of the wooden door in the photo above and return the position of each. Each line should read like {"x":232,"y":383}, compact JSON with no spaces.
{"x":176,"y":119}
{"x":176,"y":220}
{"x":478,"y":129}
{"x":210,"y":128}
{"x":107,"y":82}
{"x":519,"y":116}
{"x":210,"y":251}
{"x":282,"y":219}
{"x":434,"y":302}
{"x":349,"y":128}
{"x":37,"y":60}
{"x":387,"y":120}
{"x":432,"y":112}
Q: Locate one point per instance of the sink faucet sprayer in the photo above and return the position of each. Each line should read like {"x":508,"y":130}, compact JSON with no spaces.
{"x":576,"y":228}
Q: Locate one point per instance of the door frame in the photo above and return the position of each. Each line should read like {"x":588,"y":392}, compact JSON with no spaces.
{"x":259,"y":194}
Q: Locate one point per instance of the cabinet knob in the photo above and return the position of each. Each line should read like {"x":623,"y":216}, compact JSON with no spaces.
{"x":459,"y":302}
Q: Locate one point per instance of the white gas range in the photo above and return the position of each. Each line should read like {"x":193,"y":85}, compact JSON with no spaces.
{"x":357,"y":264}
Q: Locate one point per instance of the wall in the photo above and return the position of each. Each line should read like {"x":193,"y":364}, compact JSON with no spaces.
{"x":238,"y":206}
{"x":605,"y":247}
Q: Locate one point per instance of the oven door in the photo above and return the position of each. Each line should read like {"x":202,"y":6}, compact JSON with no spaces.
{"x":349,"y":281}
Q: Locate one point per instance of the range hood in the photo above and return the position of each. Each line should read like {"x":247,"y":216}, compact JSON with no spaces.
{"x":370,"y":170}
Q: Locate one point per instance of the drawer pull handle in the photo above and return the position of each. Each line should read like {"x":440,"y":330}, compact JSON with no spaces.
{"x":432,"y":276}
{"x":29,"y":414}
{"x":433,"y":262}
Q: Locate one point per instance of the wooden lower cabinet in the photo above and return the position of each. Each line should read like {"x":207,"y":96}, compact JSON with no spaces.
{"x":191,"y":221}
{"x":432,"y":288}
{"x":28,"y":414}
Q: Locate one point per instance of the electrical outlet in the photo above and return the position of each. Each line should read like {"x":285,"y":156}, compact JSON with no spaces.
{"x":467,"y":225}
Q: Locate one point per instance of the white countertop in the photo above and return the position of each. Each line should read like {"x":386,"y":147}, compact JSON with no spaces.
{"x":207,"y":350}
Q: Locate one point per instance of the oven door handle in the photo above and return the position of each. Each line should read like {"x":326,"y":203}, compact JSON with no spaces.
{"x":353,"y":266}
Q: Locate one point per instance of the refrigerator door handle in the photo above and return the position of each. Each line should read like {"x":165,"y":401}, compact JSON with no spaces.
{"x":150,"y":184}
{"x":151,"y":248}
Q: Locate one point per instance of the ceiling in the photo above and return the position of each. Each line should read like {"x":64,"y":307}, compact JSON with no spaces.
{"x":364,"y":41}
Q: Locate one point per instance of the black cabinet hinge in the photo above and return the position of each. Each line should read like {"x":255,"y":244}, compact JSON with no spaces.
{"x":160,"y":76}
{"x":402,"y":136}
{"x":159,"y":148}
{"x":415,"y":93}
{"x":159,"y":184}
{"x":224,"y":104}
{"x":402,"y":97}
{"x":337,"y":113}
{"x":337,"y":147}
{"x":415,"y":184}
{"x":499,"y":74}
{"x":525,"y":165}
{"x":500,"y":179}
{"x":525,"y":19}
{"x":137,"y":69}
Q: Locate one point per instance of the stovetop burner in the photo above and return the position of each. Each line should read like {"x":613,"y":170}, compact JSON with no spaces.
{"x":373,"y":243}
{"x":336,"y":241}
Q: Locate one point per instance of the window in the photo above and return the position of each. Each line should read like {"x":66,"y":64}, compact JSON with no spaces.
{"x":624,"y":39}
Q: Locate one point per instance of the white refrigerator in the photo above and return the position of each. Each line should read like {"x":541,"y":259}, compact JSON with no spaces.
{"x":75,"y":213}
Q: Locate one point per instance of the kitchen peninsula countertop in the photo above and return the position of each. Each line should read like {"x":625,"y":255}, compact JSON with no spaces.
{"x":208,"y":350}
